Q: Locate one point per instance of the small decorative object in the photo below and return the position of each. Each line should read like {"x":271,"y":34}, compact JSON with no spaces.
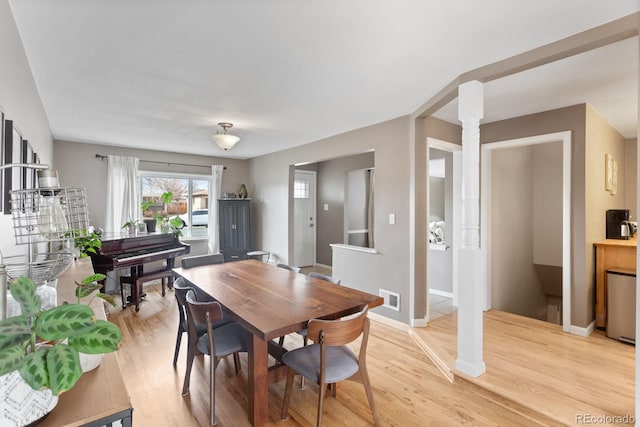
{"x":243,"y":192}
{"x":230,"y":195}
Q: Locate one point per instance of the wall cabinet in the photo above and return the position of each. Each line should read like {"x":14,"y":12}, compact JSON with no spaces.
{"x":235,"y":228}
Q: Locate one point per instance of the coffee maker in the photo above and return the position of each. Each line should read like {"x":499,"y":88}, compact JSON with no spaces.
{"x":618,"y":224}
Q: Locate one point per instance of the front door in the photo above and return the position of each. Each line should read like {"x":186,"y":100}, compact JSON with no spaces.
{"x":304,"y":212}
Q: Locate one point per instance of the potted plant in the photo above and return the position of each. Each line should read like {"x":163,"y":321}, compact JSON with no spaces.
{"x":150,"y":222}
{"x":131,"y":226}
{"x":88,"y":244}
{"x":170,"y":225}
{"x":44,"y":345}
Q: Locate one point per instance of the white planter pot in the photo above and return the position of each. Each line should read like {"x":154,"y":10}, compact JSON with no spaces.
{"x":20,"y":405}
{"x":89,"y":362}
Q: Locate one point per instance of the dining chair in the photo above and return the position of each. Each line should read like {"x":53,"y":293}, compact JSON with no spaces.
{"x":198,"y":260}
{"x":321,"y":276}
{"x":181,"y":289}
{"x":289,"y":267}
{"x":216,"y":342}
{"x":329,"y":360}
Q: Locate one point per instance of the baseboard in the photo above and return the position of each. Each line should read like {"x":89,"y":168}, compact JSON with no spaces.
{"x":389,"y":322}
{"x":441,"y":293}
{"x":583,"y":332}
{"x":328,"y":267}
{"x":419,"y":323}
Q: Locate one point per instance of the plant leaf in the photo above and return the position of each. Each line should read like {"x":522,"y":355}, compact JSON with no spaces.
{"x":86,"y":290}
{"x":63,"y":364}
{"x":14,"y":330}
{"x":104,"y":338}
{"x":11,"y":358}
{"x":93,"y":278}
{"x":34,"y":369}
{"x":108,"y":298}
{"x":64,"y":321}
{"x":23,"y":290}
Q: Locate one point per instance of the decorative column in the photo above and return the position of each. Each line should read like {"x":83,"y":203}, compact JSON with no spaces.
{"x":470,"y":294}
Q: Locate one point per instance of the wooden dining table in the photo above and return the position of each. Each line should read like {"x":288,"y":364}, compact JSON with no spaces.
{"x":271,"y":302}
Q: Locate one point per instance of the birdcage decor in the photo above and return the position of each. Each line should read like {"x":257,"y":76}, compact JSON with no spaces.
{"x":50,"y":214}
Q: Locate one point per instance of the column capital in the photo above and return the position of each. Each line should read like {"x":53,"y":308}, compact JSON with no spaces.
{"x":470,"y":100}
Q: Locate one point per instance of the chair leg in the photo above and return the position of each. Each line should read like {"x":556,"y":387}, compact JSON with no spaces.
{"x":191,"y":353}
{"x":305,"y":340}
{"x":178,"y":342}
{"x":212,"y":389}
{"x":163,"y":285}
{"x":287,"y":393}
{"x":367,"y":388}
{"x":322,"y":388}
{"x":236,"y":362}
{"x":122,"y":294}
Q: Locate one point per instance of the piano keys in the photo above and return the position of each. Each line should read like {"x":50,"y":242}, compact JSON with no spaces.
{"x":133,"y":252}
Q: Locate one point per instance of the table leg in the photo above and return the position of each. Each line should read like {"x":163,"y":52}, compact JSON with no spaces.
{"x":258,"y":382}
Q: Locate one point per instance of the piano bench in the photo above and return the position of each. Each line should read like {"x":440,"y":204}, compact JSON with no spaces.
{"x":146,"y":277}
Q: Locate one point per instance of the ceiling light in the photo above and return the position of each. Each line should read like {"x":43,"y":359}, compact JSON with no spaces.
{"x":225,"y":140}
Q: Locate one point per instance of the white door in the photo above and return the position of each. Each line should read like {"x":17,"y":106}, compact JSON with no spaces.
{"x":304,"y":213}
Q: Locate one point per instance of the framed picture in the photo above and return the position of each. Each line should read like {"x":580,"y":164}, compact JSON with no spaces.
{"x":7,"y":174}
{"x":26,"y":156}
{"x":608,"y":172}
{"x":614,"y":178}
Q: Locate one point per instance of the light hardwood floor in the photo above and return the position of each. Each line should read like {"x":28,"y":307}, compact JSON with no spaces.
{"x":408,"y":389}
{"x":544,"y":369}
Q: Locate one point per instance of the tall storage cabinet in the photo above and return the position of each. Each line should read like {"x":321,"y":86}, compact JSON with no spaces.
{"x":235,"y":228}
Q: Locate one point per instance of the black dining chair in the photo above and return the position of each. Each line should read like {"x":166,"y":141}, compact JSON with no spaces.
{"x":198,"y":260}
{"x":181,"y":289}
{"x":217,"y":342}
{"x":329,"y":360}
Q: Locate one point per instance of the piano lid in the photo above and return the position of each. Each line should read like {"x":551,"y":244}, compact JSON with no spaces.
{"x":113,"y":243}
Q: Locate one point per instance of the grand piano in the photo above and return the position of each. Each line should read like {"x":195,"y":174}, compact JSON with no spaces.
{"x":133,"y":252}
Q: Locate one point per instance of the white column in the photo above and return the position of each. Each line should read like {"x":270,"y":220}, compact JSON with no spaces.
{"x":470,"y":295}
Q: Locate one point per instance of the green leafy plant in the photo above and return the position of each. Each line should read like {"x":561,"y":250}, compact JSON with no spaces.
{"x":44,"y":345}
{"x":175,"y":224}
{"x":88,"y":244}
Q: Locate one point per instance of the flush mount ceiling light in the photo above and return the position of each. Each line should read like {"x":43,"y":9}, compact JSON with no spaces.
{"x":225,"y":140}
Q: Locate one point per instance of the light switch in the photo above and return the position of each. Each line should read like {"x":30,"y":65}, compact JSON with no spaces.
{"x":392,"y":218}
{"x":326,"y":206}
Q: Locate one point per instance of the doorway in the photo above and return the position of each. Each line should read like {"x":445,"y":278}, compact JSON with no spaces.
{"x":304,"y":214}
{"x":444,"y":195}
{"x":489,"y":214}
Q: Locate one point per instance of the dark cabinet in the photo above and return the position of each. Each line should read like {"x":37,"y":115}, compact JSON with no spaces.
{"x":235,"y":228}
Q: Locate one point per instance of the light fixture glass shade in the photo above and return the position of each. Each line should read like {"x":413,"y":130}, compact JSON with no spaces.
{"x":225,"y":141}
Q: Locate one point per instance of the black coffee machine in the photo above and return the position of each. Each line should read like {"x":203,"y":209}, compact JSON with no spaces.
{"x":617,"y":224}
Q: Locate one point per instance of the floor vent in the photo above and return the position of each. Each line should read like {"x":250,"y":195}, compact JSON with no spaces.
{"x":391,"y":299}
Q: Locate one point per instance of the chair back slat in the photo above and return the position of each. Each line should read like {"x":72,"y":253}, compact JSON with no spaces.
{"x":199,"y":310}
{"x":198,"y":260}
{"x":289,"y":267}
{"x":338,"y":332}
{"x":321,"y":276}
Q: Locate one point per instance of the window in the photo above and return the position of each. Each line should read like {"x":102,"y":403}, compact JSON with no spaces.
{"x":190,"y":201}
{"x":300,"y":189}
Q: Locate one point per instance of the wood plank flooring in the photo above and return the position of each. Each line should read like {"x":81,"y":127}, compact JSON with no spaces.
{"x":408,"y":388}
{"x":544,"y":369}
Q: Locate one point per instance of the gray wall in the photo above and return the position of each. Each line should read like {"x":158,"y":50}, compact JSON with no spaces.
{"x":331,"y":187}
{"x":78,"y":166}
{"x":20,"y":101}
{"x":389,"y":269}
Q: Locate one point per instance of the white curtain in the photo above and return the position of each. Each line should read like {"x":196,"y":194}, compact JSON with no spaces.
{"x":123,"y":201}
{"x":216,"y":188}
{"x":370,"y":212}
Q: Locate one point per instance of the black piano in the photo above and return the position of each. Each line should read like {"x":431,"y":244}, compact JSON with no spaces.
{"x":133,"y":252}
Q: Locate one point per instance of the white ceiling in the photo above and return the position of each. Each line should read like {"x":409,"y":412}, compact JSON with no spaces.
{"x":159,"y":74}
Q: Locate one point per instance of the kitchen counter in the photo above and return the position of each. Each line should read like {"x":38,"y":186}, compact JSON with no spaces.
{"x":611,"y":253}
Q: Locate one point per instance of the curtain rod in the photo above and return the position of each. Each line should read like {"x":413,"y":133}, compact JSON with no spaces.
{"x":102,"y":157}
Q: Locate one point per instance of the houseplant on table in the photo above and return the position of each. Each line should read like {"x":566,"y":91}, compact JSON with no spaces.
{"x":44,"y":345}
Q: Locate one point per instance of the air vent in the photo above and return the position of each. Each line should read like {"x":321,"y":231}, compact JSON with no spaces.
{"x":391,"y":299}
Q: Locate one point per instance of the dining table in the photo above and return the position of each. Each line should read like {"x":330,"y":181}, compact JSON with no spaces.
{"x":271,"y":302}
